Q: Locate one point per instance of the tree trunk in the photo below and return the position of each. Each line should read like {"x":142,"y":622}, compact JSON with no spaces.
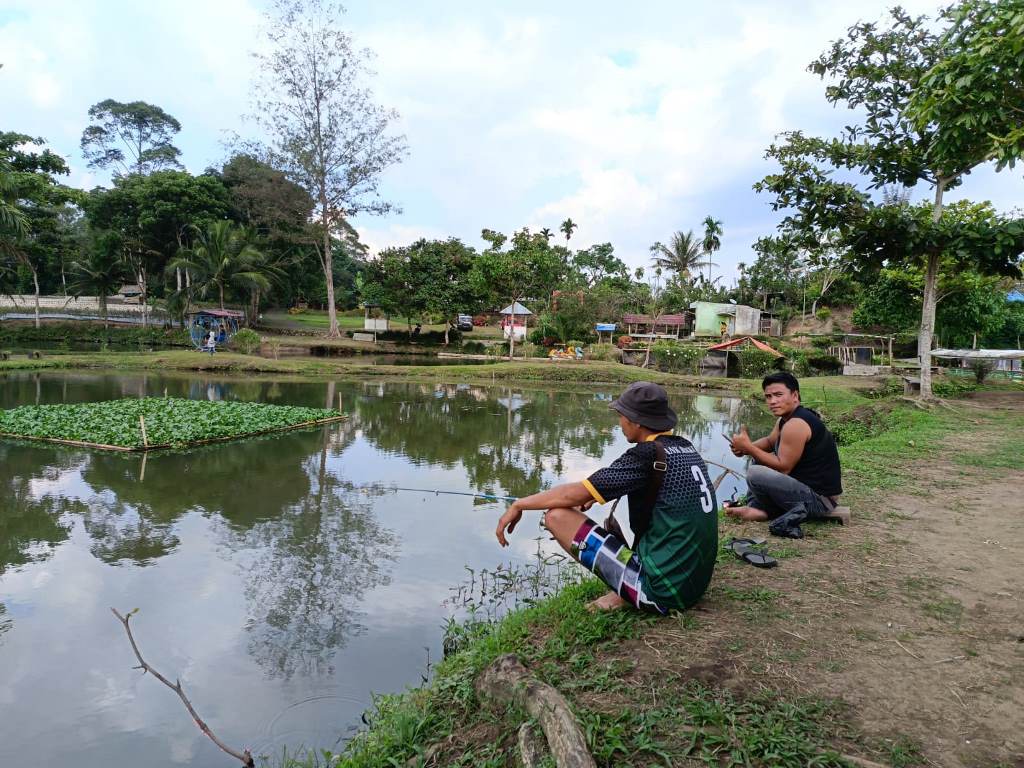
{"x":35,"y":280}
{"x":103,"y":312}
{"x":931,"y":278}
{"x":143,"y":297}
{"x":220,"y":286}
{"x":332,"y":311}
{"x":177,"y":277}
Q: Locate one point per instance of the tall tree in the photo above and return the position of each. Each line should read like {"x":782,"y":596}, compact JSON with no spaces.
{"x":527,"y":269}
{"x":712,"y":240}
{"x":37,"y":232}
{"x":130,"y":137}
{"x":913,"y":131}
{"x":684,"y":255}
{"x":155,"y":217}
{"x":325,"y":130}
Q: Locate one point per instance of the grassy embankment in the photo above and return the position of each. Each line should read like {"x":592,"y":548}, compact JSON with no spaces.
{"x":134,"y":424}
{"x":770,"y":667}
{"x":567,"y":372}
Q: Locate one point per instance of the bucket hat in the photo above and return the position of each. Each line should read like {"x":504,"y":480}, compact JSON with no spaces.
{"x":646,"y":404}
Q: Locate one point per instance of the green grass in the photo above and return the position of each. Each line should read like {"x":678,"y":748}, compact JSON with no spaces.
{"x":168,"y":422}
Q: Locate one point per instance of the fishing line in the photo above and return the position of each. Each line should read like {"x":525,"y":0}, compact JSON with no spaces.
{"x":379,"y":487}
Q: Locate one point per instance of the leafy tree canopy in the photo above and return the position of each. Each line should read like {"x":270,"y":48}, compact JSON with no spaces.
{"x":130,"y":137}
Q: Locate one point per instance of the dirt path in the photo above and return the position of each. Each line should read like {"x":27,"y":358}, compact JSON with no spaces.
{"x":913,"y":617}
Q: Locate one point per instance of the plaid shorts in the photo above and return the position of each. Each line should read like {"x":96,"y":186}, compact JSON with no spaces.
{"x":607,"y":557}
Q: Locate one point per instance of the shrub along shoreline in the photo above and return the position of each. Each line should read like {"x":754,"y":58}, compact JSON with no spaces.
{"x":151,"y":423}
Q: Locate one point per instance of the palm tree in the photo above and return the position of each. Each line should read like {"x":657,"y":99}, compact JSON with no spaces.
{"x":223,"y":256}
{"x":99,"y":274}
{"x":712,"y":239}
{"x":684,"y":255}
{"x":548,"y":234}
{"x":568,"y":227}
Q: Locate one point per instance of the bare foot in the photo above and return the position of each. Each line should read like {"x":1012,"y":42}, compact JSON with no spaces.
{"x":750,"y":514}
{"x":607,"y":602}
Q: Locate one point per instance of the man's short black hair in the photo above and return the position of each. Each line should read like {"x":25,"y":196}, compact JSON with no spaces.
{"x":781,"y":377}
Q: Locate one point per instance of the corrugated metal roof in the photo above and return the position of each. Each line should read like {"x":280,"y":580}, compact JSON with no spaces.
{"x":980,"y":354}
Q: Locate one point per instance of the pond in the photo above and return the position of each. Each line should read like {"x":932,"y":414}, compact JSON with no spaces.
{"x":278,"y":577}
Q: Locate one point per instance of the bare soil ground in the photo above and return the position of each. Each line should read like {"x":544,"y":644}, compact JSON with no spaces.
{"x":913,"y":616}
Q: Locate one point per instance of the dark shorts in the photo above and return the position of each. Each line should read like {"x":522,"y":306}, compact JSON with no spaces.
{"x":607,"y":557}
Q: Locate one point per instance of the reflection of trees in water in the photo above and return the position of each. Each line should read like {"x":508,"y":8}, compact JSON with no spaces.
{"x":314,"y":564}
{"x":5,"y":621}
{"x":139,"y":500}
{"x":31,"y":523}
{"x":500,"y":436}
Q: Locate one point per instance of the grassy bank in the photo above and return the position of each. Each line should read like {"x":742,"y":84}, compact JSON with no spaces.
{"x":153,"y":422}
{"x":230,"y":363}
{"x":769,"y":668}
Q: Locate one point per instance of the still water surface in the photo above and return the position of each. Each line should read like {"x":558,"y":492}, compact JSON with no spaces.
{"x":280,"y":592}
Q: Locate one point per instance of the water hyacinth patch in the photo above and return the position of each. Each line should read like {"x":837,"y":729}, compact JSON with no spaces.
{"x":170,"y":422}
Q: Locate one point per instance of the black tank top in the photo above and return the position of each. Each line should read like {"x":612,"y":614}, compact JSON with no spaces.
{"x":818,"y":467}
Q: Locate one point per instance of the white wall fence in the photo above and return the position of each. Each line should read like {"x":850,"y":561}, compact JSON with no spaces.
{"x":69,"y":307}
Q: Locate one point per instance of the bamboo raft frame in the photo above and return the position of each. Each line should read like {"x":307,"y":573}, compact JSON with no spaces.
{"x":145,"y":448}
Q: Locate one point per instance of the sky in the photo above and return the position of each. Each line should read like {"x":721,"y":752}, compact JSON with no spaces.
{"x":635,"y":120}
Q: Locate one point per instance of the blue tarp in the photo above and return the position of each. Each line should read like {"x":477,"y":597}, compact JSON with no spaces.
{"x":1015,"y":295}
{"x":604,"y":327}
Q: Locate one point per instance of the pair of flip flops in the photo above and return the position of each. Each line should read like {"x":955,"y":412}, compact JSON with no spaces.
{"x":750,"y":551}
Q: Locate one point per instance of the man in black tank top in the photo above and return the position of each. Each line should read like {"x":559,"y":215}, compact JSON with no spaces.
{"x":797,"y":473}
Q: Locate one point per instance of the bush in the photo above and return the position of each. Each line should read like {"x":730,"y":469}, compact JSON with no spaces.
{"x":981,"y":368}
{"x":474,"y":347}
{"x":624,"y":341}
{"x":606,"y":352}
{"x":424,"y":337}
{"x":823,"y":314}
{"x":676,"y":358}
{"x":536,"y":336}
{"x":246,"y":340}
{"x":824,"y":364}
{"x":297,"y":310}
{"x":796,"y":362}
{"x":756,"y":363}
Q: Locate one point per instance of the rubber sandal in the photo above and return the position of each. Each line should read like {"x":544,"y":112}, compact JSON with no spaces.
{"x":743,"y":549}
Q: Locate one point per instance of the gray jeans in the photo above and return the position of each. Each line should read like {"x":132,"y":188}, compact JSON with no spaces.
{"x":778,"y":494}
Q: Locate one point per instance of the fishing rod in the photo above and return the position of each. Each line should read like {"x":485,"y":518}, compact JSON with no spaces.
{"x":486,"y":496}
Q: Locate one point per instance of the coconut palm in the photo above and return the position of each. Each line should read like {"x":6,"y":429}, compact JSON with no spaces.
{"x":568,"y":227}
{"x":712,"y":239}
{"x":99,"y":274}
{"x":548,"y":234}
{"x":223,"y":256}
{"x":684,"y":255}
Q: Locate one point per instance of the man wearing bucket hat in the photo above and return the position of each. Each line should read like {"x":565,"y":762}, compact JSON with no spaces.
{"x":672,"y":512}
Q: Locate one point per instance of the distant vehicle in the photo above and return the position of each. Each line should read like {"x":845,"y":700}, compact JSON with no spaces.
{"x":464,"y":323}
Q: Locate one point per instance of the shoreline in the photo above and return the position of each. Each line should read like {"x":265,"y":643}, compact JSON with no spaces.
{"x":767,"y":663}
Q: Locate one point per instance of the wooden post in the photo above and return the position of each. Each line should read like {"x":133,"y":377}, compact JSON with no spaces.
{"x":339,"y":402}
{"x":890,"y":351}
{"x":142,"y":425}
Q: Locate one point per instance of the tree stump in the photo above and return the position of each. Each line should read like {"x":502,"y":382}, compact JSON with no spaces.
{"x":507,"y":681}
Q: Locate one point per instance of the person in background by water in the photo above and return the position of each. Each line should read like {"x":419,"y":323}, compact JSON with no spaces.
{"x":211,"y":342}
{"x":797,"y":475}
{"x":672,"y":512}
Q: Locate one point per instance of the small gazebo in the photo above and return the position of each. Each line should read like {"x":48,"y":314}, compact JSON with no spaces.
{"x":510,"y":325}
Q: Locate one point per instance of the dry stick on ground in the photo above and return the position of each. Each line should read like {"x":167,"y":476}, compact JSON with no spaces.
{"x":507,"y":681}
{"x":245,"y":756}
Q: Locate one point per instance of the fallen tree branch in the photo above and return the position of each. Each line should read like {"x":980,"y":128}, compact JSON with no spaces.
{"x":245,"y":756}
{"x":508,"y":681}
